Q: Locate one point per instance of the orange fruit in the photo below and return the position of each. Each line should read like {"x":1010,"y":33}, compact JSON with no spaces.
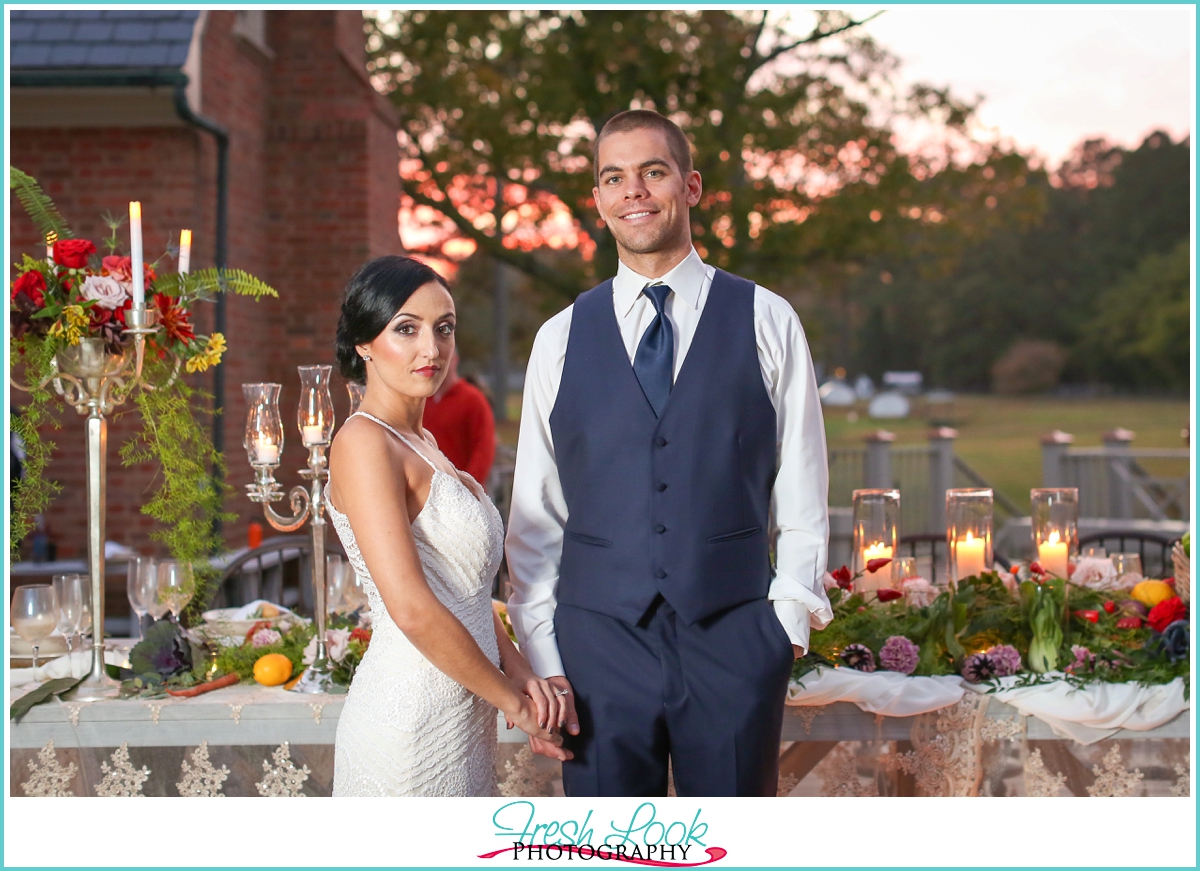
{"x":272,"y":669}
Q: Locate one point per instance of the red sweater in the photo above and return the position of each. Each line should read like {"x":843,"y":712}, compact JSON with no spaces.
{"x":465,"y":430}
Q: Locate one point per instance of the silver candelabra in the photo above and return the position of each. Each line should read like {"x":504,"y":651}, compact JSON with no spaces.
{"x":93,"y":379}
{"x":264,"y":447}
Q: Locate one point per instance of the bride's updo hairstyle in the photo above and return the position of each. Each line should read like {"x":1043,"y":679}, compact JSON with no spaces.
{"x":372,"y":298}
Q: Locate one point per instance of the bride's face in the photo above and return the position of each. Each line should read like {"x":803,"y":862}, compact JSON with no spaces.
{"x":412,"y":354}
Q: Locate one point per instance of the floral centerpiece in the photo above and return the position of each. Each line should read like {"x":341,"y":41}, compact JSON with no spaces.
{"x":80,"y":295}
{"x":999,"y":624}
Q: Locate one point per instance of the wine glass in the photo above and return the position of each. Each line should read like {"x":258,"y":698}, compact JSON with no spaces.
{"x":34,"y":614}
{"x":142,"y":588}
{"x":68,"y":589}
{"x":335,"y":581}
{"x":85,"y":614}
{"x":175,"y":586}
{"x":353,"y":595}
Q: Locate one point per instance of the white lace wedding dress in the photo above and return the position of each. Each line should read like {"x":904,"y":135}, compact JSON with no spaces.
{"x":406,"y":728}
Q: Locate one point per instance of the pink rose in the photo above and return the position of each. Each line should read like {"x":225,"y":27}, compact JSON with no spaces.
{"x":265,"y":638}
{"x":106,"y":291}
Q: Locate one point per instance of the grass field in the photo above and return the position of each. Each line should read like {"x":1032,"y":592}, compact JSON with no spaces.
{"x":1000,"y":436}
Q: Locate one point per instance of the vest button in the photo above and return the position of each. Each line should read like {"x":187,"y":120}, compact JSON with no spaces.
{"x":661,"y":442}
{"x":659,"y":528}
{"x":660,"y":574}
{"x":661,"y":487}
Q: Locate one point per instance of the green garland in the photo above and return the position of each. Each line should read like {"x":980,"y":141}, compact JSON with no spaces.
{"x":190,"y":494}
{"x":33,"y":493}
{"x":982,"y":613}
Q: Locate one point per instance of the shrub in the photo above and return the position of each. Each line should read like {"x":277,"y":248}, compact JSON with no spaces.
{"x":1029,"y":366}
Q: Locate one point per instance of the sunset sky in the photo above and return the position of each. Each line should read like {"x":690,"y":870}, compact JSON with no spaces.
{"x":1053,"y":75}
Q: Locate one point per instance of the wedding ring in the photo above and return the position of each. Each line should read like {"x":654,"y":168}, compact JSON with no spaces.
{"x":563,"y":693}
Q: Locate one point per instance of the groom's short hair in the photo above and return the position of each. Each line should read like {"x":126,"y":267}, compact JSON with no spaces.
{"x":642,"y":119}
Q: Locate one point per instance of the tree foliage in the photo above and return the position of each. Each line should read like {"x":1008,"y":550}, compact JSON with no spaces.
{"x":793,"y":135}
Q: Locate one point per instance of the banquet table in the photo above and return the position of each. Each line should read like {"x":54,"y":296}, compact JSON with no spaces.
{"x":253,"y":740}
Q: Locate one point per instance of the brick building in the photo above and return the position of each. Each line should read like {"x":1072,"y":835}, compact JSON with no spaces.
{"x":109,"y":107}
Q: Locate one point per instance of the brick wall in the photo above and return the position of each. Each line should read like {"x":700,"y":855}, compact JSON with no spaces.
{"x":314,"y":192}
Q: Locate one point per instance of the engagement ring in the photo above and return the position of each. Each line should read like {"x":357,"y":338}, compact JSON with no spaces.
{"x":563,"y":693}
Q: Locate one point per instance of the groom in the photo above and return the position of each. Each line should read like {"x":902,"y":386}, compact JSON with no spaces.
{"x":671,"y":438}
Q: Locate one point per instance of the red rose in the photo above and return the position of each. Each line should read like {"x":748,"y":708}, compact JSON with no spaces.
{"x":73,"y":253}
{"x":360,"y":634}
{"x":887,"y":595}
{"x":1167,"y":612}
{"x":33,"y":285}
{"x":874,"y":565}
{"x":843,"y":578}
{"x":121,"y":268}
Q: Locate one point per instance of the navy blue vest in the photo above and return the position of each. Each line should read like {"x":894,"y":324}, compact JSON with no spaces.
{"x":677,"y":505}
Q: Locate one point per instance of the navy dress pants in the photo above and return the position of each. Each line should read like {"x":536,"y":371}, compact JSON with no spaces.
{"x":709,"y":697}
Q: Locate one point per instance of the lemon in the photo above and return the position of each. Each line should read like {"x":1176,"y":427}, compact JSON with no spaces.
{"x":1150,"y":593}
{"x":272,"y":669}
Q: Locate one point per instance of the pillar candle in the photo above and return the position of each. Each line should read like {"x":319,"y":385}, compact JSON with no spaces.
{"x":1052,"y":554}
{"x":135,"y":254}
{"x":185,"y":251}
{"x":314,"y":434}
{"x":874,"y":580}
{"x":969,"y":557}
{"x":51,"y":238}
{"x":265,"y":451}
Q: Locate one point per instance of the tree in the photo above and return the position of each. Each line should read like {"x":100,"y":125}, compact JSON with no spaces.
{"x":793,"y":136}
{"x":1140,"y":333}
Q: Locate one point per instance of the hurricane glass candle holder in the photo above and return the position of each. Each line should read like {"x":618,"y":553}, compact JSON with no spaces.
{"x":1054,"y":519}
{"x":263,"y":439}
{"x":314,"y":415}
{"x":876,"y":535}
{"x":969,"y":514}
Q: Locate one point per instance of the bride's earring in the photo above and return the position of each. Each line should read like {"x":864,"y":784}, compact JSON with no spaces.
{"x":367,"y":357}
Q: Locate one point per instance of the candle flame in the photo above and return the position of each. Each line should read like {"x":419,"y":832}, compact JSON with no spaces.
{"x":51,"y":238}
{"x":135,"y":211}
{"x":1053,"y":538}
{"x":185,"y":238}
{"x":970,"y":536}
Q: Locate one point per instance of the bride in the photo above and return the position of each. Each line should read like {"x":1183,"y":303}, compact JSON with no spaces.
{"x":420,"y":717}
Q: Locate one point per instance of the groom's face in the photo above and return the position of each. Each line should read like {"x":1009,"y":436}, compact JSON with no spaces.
{"x":643,"y":195}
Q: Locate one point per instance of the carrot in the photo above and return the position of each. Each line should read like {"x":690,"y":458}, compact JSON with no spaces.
{"x":226,"y":681}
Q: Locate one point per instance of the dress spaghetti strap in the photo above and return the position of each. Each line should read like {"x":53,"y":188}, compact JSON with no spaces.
{"x":397,"y":435}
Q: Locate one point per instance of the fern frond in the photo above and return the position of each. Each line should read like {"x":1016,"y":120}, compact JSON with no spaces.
{"x":37,"y":205}
{"x":204,"y":283}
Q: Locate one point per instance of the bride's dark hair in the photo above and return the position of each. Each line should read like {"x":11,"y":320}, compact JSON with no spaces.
{"x":372,"y":297}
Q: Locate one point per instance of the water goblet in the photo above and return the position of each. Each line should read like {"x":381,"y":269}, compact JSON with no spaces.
{"x":34,"y":614}
{"x":85,"y":613}
{"x":175,"y":587}
{"x":68,"y":589}
{"x":142,"y":588}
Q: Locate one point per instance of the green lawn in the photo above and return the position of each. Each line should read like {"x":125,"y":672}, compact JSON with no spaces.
{"x":1000,"y":436}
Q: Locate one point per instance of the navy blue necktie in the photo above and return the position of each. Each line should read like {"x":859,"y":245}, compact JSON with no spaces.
{"x":654,"y":362}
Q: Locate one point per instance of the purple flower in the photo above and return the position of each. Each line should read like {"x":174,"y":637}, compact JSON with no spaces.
{"x":1006,"y":659}
{"x":978,"y":667}
{"x":899,"y":654}
{"x":1083,"y":659}
{"x":858,"y":656}
{"x":265,"y":637}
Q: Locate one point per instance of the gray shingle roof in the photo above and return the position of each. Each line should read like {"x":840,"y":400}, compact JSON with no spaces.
{"x":130,"y":39}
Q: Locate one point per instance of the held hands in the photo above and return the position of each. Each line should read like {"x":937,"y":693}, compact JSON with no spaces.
{"x":554,"y":701}
{"x":525,"y":716}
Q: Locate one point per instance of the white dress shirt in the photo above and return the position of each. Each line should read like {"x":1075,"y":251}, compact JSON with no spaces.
{"x":800,"y":518}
